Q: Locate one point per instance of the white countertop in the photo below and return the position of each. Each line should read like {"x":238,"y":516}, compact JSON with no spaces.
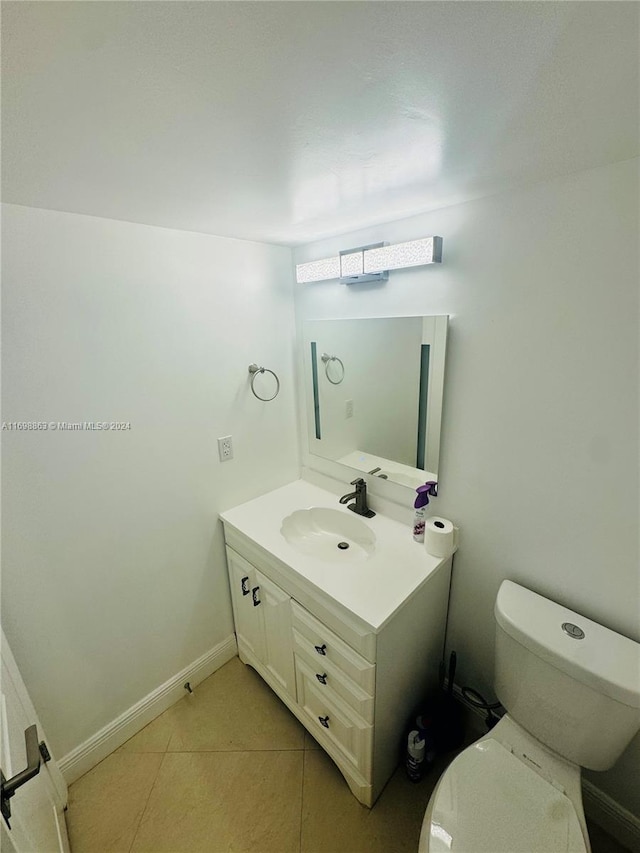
{"x":373,"y":588}
{"x":395,"y":471}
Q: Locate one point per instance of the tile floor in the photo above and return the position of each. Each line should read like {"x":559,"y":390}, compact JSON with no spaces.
{"x":228,"y":769}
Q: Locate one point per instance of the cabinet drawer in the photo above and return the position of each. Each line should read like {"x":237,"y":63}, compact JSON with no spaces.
{"x":333,"y":721}
{"x":331,"y":678}
{"x":319,"y":640}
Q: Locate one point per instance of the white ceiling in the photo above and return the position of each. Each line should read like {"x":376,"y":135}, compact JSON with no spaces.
{"x":292,"y":121}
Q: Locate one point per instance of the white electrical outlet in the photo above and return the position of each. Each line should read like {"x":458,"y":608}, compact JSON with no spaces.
{"x":225,"y":448}
{"x":348,"y":409}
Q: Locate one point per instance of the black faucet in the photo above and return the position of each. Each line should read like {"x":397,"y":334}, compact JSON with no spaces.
{"x":359,"y":506}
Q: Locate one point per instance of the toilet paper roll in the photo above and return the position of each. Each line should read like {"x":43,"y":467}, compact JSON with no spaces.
{"x":440,"y":537}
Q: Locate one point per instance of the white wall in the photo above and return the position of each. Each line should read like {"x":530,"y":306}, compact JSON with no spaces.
{"x":388,"y":419}
{"x":539,"y":462}
{"x":114,"y":576}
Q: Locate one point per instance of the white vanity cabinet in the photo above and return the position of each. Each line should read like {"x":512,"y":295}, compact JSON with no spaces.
{"x":350,"y":647}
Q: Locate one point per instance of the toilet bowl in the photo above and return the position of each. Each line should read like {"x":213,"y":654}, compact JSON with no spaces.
{"x":517,"y":789}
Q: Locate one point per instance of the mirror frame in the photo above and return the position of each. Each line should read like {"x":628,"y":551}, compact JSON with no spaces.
{"x":431,"y":448}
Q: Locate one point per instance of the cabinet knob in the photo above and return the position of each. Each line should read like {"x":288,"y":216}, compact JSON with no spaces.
{"x":324,"y":721}
{"x":322,"y":650}
{"x":256,"y":597}
{"x":321,"y":678}
{"x":244,"y":585}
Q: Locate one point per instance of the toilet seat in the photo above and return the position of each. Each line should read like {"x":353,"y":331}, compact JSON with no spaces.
{"x":490,"y":801}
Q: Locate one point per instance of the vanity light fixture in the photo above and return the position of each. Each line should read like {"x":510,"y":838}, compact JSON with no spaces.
{"x":372,"y":263}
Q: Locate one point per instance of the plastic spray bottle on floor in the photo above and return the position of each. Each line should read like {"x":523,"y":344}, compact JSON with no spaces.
{"x":414,"y":762}
{"x":422,"y":500}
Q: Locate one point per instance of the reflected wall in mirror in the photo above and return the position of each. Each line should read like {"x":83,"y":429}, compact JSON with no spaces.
{"x":374,"y":391}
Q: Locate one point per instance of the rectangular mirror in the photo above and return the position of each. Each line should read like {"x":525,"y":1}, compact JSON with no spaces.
{"x":374,"y":391}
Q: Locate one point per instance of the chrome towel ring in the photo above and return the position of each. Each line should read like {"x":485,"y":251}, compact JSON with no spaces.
{"x":254,"y":370}
{"x":327,"y":361}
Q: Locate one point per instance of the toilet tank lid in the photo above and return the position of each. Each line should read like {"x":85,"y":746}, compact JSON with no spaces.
{"x":603,"y":659}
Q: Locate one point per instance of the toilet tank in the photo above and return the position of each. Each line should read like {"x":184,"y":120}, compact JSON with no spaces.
{"x":570,"y":682}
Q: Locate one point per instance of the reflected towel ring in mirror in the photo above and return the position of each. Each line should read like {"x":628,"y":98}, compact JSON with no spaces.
{"x":327,"y":361}
{"x":254,"y":370}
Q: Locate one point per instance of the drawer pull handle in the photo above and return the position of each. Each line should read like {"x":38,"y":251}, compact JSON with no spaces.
{"x":322,"y":650}
{"x":321,"y":678}
{"x":256,"y":599}
{"x":244,"y":584}
{"x":324,"y":721}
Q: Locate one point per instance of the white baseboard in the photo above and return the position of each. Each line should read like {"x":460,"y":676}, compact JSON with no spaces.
{"x":85,"y":756}
{"x":599,"y":807}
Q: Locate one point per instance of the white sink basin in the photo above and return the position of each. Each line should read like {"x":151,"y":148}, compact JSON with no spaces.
{"x":329,"y":534}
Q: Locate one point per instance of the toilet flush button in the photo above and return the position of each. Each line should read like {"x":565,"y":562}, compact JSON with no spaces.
{"x":573,"y":630}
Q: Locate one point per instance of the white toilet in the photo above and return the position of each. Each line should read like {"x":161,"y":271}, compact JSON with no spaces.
{"x":571,"y":689}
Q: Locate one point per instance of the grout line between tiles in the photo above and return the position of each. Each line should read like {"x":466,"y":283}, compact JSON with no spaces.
{"x":229,"y":751}
{"x":166,"y":754}
{"x":144,"y":808}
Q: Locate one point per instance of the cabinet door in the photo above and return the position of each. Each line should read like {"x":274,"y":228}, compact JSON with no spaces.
{"x":247,"y":612}
{"x":278,"y":651}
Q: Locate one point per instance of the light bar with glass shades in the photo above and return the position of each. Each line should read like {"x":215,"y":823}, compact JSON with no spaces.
{"x":372,"y":263}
